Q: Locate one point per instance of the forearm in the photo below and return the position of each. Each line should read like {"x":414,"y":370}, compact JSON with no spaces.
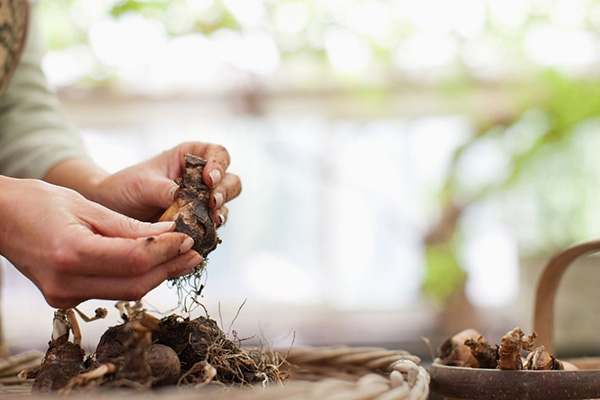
{"x":7,"y":196}
{"x":80,"y":175}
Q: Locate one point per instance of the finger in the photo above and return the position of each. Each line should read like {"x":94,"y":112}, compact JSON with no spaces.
{"x":220,"y":215}
{"x":161,"y":191}
{"x":136,"y":288}
{"x":124,"y":288}
{"x":227,"y":190}
{"x":92,"y":254}
{"x":112,"y":224}
{"x":218,"y":160}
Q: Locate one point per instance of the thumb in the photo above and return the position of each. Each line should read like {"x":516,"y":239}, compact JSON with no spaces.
{"x":164,"y":191}
{"x":112,"y":224}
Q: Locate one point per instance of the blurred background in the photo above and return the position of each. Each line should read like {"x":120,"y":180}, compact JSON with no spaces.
{"x":408,"y":166}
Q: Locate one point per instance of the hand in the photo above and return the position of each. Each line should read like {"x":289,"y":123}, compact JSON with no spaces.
{"x":74,"y":249}
{"x":145,"y":190}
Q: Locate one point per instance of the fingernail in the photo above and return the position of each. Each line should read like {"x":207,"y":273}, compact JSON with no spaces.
{"x":186,"y":245}
{"x":173,"y":193}
{"x":218,"y":200}
{"x":221,"y":219}
{"x":215,"y":177}
{"x":164,"y":226}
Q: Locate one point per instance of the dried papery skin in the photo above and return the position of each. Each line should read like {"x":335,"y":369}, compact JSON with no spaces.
{"x":509,"y":353}
{"x":541,"y":360}
{"x":527,"y":342}
{"x":190,"y":210}
{"x":484,"y":353}
{"x":126,"y":347}
{"x":63,"y":361}
{"x":453,"y":351}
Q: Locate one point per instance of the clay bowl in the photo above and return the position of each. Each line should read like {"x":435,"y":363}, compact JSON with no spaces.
{"x":473,"y":383}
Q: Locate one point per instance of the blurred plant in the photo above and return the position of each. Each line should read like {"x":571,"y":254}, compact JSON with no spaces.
{"x":364,"y":43}
{"x":444,"y":273}
{"x":544,"y":150}
{"x":538,"y":54}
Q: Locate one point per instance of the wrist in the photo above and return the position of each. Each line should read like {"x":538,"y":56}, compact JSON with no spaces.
{"x":5,"y":192}
{"x":8,"y":202}
{"x":78,"y":174}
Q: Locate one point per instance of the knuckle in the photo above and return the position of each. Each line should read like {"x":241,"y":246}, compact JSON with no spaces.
{"x":62,"y":257}
{"x":60,"y":303}
{"x":129,"y":224}
{"x":138,"y":262}
{"x":171,"y":271}
{"x":135,"y":291}
{"x":222,"y":151}
{"x":56,"y":294}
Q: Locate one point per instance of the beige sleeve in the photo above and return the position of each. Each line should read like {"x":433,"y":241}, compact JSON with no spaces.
{"x":34,"y":133}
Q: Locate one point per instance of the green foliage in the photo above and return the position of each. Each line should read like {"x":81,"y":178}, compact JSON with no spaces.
{"x":220,"y":16}
{"x":443,"y":273}
{"x":569,"y":101}
{"x":155,"y":7}
{"x":549,"y":169}
{"x":549,"y":106}
{"x":57,"y":25}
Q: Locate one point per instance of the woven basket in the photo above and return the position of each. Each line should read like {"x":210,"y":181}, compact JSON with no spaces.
{"x":315,"y":373}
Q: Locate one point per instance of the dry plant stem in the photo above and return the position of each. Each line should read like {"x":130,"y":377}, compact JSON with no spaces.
{"x":87,"y":377}
{"x":486,"y":355}
{"x":100,"y":313}
{"x":20,"y":363}
{"x":120,"y":305}
{"x":60,"y":325}
{"x":74,"y":325}
{"x":453,"y":351}
{"x":136,"y":313}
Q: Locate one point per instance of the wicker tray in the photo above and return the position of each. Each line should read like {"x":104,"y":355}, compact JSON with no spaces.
{"x":470,"y":383}
{"x":315,"y":373}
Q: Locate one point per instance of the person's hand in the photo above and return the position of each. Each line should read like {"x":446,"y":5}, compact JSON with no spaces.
{"x":74,"y":249}
{"x":145,"y":190}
